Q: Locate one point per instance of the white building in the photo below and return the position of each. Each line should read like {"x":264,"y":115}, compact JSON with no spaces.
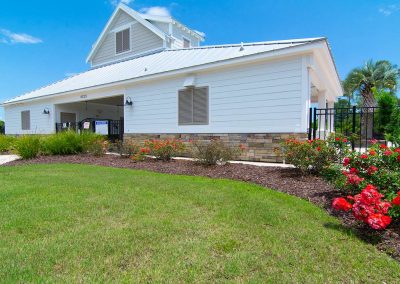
{"x":151,"y":74}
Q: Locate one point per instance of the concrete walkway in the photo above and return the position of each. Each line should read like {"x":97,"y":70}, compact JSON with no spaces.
{"x":258,"y":164}
{"x":7,"y":158}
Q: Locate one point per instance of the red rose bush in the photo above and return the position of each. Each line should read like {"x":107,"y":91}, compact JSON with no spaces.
{"x":374,"y":179}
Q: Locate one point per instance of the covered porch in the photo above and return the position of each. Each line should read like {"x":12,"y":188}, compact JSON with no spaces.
{"x":104,"y":116}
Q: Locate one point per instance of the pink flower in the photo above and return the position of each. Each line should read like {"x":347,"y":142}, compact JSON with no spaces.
{"x":346,"y":161}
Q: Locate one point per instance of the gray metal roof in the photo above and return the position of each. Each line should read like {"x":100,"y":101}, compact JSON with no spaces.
{"x":161,"y":62}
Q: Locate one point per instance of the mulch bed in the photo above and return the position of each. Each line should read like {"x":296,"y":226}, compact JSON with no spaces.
{"x":287,"y":180}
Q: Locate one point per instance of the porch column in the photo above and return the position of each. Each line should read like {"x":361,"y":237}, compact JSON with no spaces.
{"x":322,"y":123}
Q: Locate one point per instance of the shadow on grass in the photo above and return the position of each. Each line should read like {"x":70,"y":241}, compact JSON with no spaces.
{"x":365,"y":234}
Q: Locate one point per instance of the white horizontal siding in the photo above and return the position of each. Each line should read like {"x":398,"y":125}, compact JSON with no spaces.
{"x":40,"y":123}
{"x":250,"y":99}
{"x":141,"y":40}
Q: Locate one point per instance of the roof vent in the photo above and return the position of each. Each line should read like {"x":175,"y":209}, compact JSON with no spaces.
{"x":241,"y":47}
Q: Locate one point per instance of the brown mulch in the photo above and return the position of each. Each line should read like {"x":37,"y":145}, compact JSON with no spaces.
{"x":287,"y":180}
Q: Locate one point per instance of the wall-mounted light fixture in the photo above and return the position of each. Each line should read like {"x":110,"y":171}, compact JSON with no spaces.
{"x":46,"y":111}
{"x":128,"y":101}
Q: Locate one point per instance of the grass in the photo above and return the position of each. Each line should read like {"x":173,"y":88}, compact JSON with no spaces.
{"x":75,"y":223}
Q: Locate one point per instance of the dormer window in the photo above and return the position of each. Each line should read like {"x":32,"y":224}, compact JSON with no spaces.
{"x":186,"y":43}
{"x":122,"y":40}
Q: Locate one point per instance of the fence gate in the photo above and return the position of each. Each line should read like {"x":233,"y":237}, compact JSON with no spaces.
{"x":360,"y":124}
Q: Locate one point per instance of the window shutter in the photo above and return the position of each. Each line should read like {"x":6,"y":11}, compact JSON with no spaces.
{"x":200,"y":106}
{"x":122,"y":41}
{"x":26,"y":120}
{"x":185,"y":106}
{"x":126,"y":40}
{"x":118,"y":41}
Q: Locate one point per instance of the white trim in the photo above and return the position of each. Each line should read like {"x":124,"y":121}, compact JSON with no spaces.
{"x":135,"y":15}
{"x":123,"y":27}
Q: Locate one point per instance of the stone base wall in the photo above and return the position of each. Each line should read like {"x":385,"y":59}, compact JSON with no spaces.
{"x":264,"y":147}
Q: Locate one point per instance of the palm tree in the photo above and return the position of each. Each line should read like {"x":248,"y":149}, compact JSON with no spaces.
{"x":361,"y":81}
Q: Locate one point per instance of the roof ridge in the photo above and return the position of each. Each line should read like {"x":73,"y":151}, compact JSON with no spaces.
{"x":291,"y":41}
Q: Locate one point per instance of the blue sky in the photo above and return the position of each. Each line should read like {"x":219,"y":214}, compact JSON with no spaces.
{"x":45,"y":41}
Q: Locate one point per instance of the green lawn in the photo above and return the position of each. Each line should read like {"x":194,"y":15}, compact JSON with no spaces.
{"x":75,"y":223}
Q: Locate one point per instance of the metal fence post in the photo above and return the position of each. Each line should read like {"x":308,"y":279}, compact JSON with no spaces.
{"x":315,"y":124}
{"x":310,"y":123}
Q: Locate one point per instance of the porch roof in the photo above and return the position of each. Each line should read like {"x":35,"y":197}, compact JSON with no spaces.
{"x":161,"y":62}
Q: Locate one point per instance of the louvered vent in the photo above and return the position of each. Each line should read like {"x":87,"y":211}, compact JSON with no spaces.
{"x":122,"y":40}
{"x":26,"y":120}
{"x":193,"y":106}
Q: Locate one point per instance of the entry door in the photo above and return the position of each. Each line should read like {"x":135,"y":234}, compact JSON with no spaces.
{"x":68,"y":117}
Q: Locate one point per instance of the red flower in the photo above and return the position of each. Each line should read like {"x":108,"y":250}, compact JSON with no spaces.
{"x":346,"y":161}
{"x":378,"y":221}
{"x":341,"y":204}
{"x":345,"y":140}
{"x":397,"y":150}
{"x":364,"y":156}
{"x":370,"y":195}
{"x":387,"y":153}
{"x":353,"y":171}
{"x":396,"y":200}
{"x":354,"y":179}
{"x":383,"y":146}
{"x":371,"y":170}
{"x":398,"y":158}
{"x":372,"y":152}
{"x":318,"y":148}
{"x":361,"y":211}
{"x":383,"y":207}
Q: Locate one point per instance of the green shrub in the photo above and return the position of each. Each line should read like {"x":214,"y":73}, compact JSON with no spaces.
{"x":314,"y":156}
{"x":97,"y":147}
{"x":214,"y":152}
{"x":6,"y":143}
{"x":63,"y":143}
{"x":126,"y":149}
{"x":393,"y":128}
{"x":28,"y":146}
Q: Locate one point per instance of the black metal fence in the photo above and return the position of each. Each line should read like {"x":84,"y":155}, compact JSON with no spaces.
{"x":361,"y":124}
{"x":2,"y":129}
{"x":115,"y":127}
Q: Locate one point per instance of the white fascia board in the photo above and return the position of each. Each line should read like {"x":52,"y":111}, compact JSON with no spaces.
{"x":135,"y":15}
{"x":226,"y":63}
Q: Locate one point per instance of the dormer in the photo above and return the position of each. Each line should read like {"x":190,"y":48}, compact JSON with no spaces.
{"x":130,"y":34}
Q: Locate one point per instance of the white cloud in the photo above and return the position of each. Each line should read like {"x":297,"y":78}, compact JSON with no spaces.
{"x":156,"y":11}
{"x":11,"y":38}
{"x":116,"y":2}
{"x":389,"y":10}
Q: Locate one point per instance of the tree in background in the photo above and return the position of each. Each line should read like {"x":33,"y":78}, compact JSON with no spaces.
{"x":1,"y":127}
{"x":381,"y":75}
{"x":387,"y":103}
{"x":361,"y":83}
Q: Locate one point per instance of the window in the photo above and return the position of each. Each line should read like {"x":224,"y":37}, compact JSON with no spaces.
{"x":26,"y":120}
{"x":122,"y":40}
{"x":193,"y":106}
{"x":186,"y":43}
